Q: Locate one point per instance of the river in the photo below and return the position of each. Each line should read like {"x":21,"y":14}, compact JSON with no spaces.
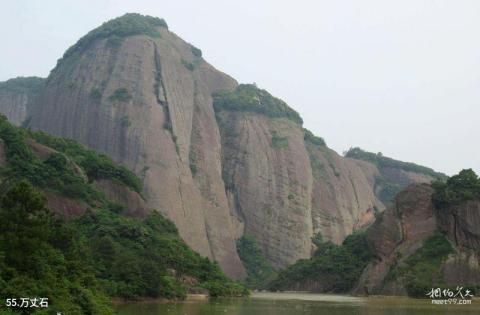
{"x":299,"y":304}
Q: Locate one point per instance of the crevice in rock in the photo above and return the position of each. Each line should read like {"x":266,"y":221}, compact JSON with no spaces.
{"x":161,"y":95}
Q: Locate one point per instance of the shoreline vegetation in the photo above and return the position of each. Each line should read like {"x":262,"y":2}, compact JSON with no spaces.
{"x":98,"y":254}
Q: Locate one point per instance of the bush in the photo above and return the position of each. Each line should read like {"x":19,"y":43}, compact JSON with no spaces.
{"x":196,"y":52}
{"x":420,"y":271}
{"x":382,"y":162}
{"x":38,"y":251}
{"x":190,"y":66}
{"x":131,"y":257}
{"x":247,"y":97}
{"x":55,"y":173}
{"x":336,"y":268}
{"x":126,"y":25}
{"x":457,"y":189}
{"x":121,"y":95}
{"x":95,"y":94}
{"x":311,"y":138}
{"x":259,"y":270}
{"x":95,"y":165}
{"x":279,"y":142}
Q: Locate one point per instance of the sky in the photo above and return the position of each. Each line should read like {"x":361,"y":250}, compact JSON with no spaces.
{"x":397,"y":77}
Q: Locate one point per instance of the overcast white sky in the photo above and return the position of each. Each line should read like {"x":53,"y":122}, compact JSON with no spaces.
{"x":401,"y":77}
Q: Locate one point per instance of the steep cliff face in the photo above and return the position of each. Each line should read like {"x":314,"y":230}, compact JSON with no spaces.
{"x":18,"y":96}
{"x":269,"y":184}
{"x":284,"y":184}
{"x":220,"y":167}
{"x":145,"y":100}
{"x":397,"y":234}
{"x":393,"y":175}
{"x":343,"y":197}
{"x":410,"y":233}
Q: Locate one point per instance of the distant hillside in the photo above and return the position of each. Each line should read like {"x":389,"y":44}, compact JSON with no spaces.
{"x":394,"y":174}
{"x":18,"y":97}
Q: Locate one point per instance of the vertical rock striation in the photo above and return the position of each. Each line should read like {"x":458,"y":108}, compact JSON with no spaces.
{"x":137,"y":92}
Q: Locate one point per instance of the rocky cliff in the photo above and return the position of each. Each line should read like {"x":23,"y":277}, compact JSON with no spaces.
{"x":220,"y":167}
{"x":418,"y":244}
{"x":18,"y":97}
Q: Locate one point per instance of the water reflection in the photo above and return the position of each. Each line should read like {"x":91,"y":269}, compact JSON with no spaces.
{"x":300,"y":304}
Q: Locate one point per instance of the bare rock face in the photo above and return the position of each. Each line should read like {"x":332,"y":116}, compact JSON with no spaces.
{"x":399,"y":232}
{"x":343,"y":197}
{"x":462,"y":224}
{"x":146,"y":102}
{"x":17,"y":97}
{"x":269,"y":185}
{"x":65,"y":207}
{"x":134,"y":204}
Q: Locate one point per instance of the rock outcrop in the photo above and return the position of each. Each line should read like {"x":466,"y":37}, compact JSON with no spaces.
{"x":402,"y":229}
{"x":146,"y":102}
{"x":135,"y":91}
{"x":18,"y":97}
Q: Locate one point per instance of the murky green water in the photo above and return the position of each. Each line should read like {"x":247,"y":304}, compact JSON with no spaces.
{"x":300,"y":303}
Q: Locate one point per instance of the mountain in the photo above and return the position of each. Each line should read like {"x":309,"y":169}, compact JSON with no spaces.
{"x":427,"y":238}
{"x":17,"y":97}
{"x":70,"y":214}
{"x":222,"y":160}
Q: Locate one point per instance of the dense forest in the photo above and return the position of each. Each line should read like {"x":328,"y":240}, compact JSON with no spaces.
{"x":80,"y":263}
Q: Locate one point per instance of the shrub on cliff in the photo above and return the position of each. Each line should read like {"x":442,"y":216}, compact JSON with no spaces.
{"x":247,"y":97}
{"x":96,"y":166}
{"x":40,"y":256}
{"x":335,"y":268}
{"x":457,"y":189}
{"x":259,"y":270}
{"x":310,"y":137}
{"x":382,"y":161}
{"x":120,"y":27}
{"x":420,"y":271}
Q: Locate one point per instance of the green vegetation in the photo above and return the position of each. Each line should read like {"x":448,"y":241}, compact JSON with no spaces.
{"x":279,"y":142}
{"x":388,"y":190}
{"x":95,"y":165}
{"x":41,"y":257}
{"x":118,"y":28}
{"x":336,"y":268}
{"x":189,"y":65}
{"x":457,"y":189}
{"x":382,"y":162}
{"x":318,"y":240}
{"x":134,"y":258}
{"x":96,"y":94}
{"x":22,"y":85}
{"x":193,"y":162}
{"x":55,"y":173}
{"x":420,"y":271}
{"x":311,"y":138}
{"x":125,"y":122}
{"x":249,"y":98}
{"x":196,"y":52}
{"x":121,"y":95}
{"x":387,"y":186}
{"x":259,"y":270}
{"x":30,"y":86}
{"x":81,"y":263}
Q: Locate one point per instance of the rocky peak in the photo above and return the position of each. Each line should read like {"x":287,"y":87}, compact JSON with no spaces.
{"x":219,"y":159}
